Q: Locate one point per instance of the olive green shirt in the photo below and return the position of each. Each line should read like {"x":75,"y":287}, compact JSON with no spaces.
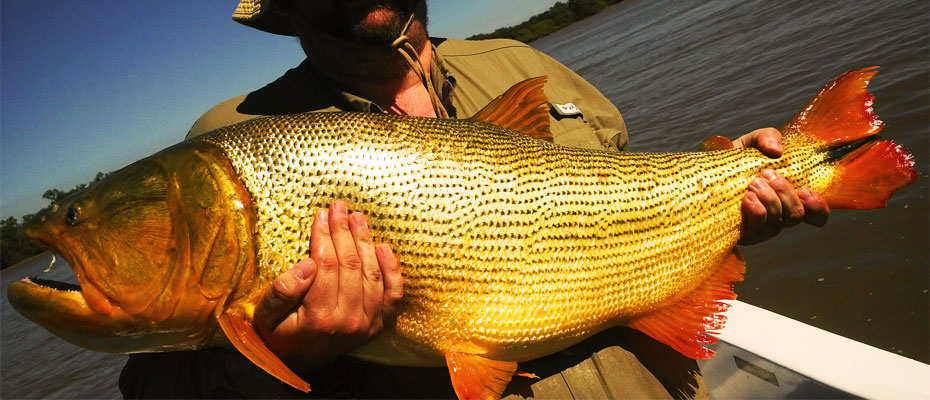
{"x":467,"y":74}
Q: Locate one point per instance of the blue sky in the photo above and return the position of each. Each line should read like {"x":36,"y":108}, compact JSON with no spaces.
{"x":93,"y":86}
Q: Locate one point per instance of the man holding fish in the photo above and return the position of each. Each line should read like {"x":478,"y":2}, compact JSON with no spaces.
{"x":377,"y":56}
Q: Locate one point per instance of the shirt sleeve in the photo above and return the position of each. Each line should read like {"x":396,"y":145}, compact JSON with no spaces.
{"x":219,"y":116}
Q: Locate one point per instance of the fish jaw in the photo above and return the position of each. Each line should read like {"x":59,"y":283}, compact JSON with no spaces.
{"x":68,"y":315}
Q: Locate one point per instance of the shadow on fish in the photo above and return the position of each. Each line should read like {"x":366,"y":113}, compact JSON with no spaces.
{"x":511,"y":247}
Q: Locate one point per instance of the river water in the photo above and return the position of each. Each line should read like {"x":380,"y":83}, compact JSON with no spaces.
{"x":682,"y":71}
{"x":679,"y":72}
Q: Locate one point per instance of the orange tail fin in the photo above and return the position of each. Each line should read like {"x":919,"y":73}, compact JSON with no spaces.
{"x":866,"y":178}
{"x":842,"y":113}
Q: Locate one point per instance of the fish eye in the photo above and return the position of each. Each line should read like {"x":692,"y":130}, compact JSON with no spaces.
{"x":73,"y":215}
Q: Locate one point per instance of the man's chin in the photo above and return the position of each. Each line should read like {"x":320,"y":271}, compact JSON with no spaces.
{"x":379,"y":27}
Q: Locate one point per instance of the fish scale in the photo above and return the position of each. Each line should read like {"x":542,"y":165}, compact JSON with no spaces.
{"x":486,"y":220}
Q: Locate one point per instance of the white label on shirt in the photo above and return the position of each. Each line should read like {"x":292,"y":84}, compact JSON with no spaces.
{"x":567,"y":109}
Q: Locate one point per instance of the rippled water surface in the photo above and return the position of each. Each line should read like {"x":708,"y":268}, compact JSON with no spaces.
{"x":37,"y":364}
{"x":682,"y":71}
{"x":679,"y":72}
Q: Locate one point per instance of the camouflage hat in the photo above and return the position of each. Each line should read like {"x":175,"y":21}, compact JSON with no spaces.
{"x":264,"y":15}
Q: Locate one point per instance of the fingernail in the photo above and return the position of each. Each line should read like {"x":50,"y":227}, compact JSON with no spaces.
{"x":773,"y":143}
{"x":324,"y":215}
{"x":805,"y":194}
{"x":769,"y":174}
{"x":758,"y":183}
{"x":301,"y":272}
{"x":383,"y":249}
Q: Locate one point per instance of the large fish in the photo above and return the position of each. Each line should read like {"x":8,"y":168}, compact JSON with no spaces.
{"x":511,"y":247}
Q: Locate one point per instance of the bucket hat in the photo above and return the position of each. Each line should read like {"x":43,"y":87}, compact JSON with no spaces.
{"x":264,"y":15}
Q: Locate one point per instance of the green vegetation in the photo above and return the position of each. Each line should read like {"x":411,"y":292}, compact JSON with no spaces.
{"x":14,"y":246}
{"x":557,"y":17}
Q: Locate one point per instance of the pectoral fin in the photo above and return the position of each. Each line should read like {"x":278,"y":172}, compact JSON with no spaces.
{"x":243,"y":336}
{"x":476,"y":377}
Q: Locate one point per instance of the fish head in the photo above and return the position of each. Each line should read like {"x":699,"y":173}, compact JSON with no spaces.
{"x":153,"y":250}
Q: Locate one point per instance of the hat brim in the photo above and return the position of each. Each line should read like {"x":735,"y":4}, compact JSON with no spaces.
{"x":265,"y":16}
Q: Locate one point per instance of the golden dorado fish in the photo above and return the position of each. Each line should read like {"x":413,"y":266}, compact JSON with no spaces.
{"x":511,"y":247}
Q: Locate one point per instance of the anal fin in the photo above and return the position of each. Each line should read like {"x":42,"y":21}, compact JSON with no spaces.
{"x":686,"y":324}
{"x":242,"y":334}
{"x":476,"y":377}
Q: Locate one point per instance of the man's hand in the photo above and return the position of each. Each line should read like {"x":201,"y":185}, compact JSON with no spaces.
{"x":771,"y":202}
{"x":336,"y":300}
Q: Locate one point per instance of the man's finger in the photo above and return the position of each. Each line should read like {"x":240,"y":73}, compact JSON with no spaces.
{"x":286,"y":293}
{"x":816,"y":209}
{"x":753,"y":218}
{"x":792,"y":210}
{"x":322,"y":294}
{"x":372,"y":278}
{"x":766,"y":140}
{"x":393,"y":280}
{"x":351,"y":290}
{"x":772,"y":204}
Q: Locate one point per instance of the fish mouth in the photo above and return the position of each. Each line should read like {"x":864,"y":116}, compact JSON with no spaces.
{"x":56,"y":285}
{"x":43,"y":300}
{"x":47,"y":239}
{"x":63,"y":309}
{"x":52,"y":284}
{"x":33,"y":289}
{"x":40,"y":298}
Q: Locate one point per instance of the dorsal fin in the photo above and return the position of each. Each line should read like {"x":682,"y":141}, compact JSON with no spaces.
{"x":522,"y":108}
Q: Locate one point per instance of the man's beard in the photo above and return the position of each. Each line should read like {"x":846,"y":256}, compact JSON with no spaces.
{"x":357,"y":42}
{"x":381,"y":34}
{"x":353,"y":24}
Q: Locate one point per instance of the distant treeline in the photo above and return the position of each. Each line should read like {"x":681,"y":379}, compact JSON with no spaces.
{"x":558,"y":16}
{"x":14,"y":246}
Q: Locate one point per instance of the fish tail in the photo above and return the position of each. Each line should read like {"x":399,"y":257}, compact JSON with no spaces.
{"x":830,"y":145}
{"x":841,"y":118}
